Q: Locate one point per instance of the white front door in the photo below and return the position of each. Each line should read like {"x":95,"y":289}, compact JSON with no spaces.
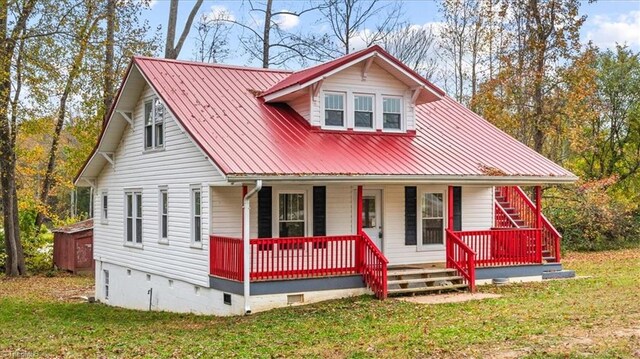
{"x":372,"y":215}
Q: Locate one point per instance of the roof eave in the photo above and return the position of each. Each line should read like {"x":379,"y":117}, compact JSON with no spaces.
{"x":391,"y":179}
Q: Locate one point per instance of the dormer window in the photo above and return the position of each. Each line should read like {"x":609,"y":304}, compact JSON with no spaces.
{"x":334,"y":109}
{"x":153,"y":124}
{"x":363,"y":111}
{"x":392,"y":113}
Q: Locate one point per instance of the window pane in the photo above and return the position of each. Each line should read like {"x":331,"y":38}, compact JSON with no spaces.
{"x":364,"y":119}
{"x":159,"y":135}
{"x":148,"y":107}
{"x":139,"y":230}
{"x":138,"y":205}
{"x":334,"y":101}
{"x":368,"y":212}
{"x":164,"y":226}
{"x":129,"y":205}
{"x":159,"y":111}
{"x":391,"y":105}
{"x":196,"y":203}
{"x":148,"y":133}
{"x":129,"y":230}
{"x":291,"y":229}
{"x":391,"y":120}
{"x":197,"y":230}
{"x":333,"y":118}
{"x":165,"y":202}
{"x":363,"y":103}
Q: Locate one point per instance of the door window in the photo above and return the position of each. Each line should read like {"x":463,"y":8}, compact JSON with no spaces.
{"x":432,"y":218}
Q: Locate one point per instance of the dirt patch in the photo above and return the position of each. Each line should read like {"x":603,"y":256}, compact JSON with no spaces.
{"x":449,"y":298}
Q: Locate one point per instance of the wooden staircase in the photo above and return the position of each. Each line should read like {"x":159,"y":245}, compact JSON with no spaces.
{"x":411,"y":280}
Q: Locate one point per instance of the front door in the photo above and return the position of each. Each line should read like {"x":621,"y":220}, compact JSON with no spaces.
{"x":372,"y":215}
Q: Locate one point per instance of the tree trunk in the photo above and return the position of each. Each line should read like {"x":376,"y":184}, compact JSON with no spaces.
{"x":265,"y":35}
{"x":171,"y":49}
{"x":108,"y":58}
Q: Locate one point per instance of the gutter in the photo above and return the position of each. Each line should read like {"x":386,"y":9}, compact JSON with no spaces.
{"x":246,"y":247}
{"x":391,"y":179}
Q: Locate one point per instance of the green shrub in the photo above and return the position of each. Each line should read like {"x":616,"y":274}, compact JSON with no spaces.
{"x":590,"y":218}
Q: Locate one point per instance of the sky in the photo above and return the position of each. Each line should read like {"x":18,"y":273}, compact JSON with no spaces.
{"x":608,"y":21}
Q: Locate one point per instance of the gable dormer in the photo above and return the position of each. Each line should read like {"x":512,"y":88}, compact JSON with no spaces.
{"x":366,"y":91}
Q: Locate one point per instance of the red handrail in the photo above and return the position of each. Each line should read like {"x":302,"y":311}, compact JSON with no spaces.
{"x":373,"y":266}
{"x":461,"y":258}
{"x":501,"y":247}
{"x":502,"y":218}
{"x":522,"y":204}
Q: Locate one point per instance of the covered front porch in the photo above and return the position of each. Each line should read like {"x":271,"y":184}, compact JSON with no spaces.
{"x":516,"y":234}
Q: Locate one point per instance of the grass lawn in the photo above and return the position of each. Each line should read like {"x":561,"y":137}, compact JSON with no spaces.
{"x":570,"y":318}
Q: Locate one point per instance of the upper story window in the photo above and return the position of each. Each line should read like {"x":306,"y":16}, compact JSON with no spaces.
{"x":363,"y":111}
{"x":392,"y":113}
{"x":334,"y":109}
{"x":153,"y":124}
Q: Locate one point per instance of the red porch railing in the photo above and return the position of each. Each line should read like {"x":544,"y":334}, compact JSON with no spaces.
{"x":302,"y":257}
{"x":527,"y":210}
{"x":373,"y":266}
{"x":502,"y":218}
{"x":461,"y":258}
{"x":500,"y":247}
{"x":298,"y":257}
{"x":225,"y":257}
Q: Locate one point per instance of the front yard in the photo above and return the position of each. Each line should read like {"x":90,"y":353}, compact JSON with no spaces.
{"x":598,"y":316}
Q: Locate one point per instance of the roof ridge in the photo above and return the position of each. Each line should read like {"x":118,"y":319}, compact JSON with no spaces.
{"x":334,"y":60}
{"x":204,"y":64}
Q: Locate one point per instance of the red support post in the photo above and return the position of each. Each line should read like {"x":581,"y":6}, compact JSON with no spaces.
{"x":360,"y":242}
{"x":538,"y":195}
{"x":359,"y":216}
{"x":450,"y":208}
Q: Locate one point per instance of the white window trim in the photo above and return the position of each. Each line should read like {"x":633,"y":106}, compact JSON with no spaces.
{"x":345,"y":110}
{"x":403,"y":114}
{"x":134,"y":204}
{"x":192,"y":216}
{"x":104,"y":211}
{"x":276,"y":210}
{"x":373,"y":112}
{"x":431,"y":247}
{"x":162,"y":190}
{"x":153,"y":147}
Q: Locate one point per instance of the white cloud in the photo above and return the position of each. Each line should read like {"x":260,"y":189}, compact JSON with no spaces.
{"x":287,"y":21}
{"x":606,"y":31}
{"x":218,"y":12}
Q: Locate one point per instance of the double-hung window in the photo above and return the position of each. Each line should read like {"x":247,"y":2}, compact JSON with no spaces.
{"x":153,"y":124}
{"x":133,"y":213}
{"x":334,"y":109}
{"x":392,"y":113}
{"x":196,"y":214}
{"x":164,"y":214}
{"x":291,"y":214}
{"x":105,"y":208}
{"x":432,"y":218}
{"x":363,"y":111}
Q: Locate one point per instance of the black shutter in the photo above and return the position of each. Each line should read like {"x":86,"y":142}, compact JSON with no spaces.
{"x":457,"y":208}
{"x":264,"y":213}
{"x":319,"y":211}
{"x":410,"y":212}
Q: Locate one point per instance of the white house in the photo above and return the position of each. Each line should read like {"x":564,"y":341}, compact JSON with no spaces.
{"x":227,"y":190}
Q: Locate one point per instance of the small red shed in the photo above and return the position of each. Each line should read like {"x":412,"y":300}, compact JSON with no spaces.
{"x":73,"y":247}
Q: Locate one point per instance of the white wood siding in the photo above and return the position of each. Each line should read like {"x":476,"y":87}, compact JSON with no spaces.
{"x":302,"y":105}
{"x":477,"y":208}
{"x":378,"y":82}
{"x":178,"y":166}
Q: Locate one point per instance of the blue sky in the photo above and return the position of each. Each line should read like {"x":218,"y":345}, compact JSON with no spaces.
{"x":607,"y":22}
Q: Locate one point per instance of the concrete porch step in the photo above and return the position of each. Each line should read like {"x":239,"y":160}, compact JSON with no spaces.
{"x":422,"y":280}
{"x":427,"y":289}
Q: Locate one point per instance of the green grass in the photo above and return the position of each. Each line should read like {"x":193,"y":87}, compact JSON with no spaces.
{"x":597,"y":316}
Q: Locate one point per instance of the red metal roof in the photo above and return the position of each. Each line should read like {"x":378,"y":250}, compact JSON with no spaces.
{"x":217,"y":106}
{"x":305,"y":75}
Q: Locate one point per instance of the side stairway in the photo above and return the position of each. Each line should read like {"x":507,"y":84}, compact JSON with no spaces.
{"x":411,"y":280}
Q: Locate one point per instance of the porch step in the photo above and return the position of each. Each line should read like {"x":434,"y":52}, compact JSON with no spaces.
{"x":422,"y":280}
{"x":440,"y":272}
{"x":427,"y":289}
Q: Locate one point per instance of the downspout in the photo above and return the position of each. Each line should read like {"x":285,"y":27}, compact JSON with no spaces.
{"x":246,"y":234}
